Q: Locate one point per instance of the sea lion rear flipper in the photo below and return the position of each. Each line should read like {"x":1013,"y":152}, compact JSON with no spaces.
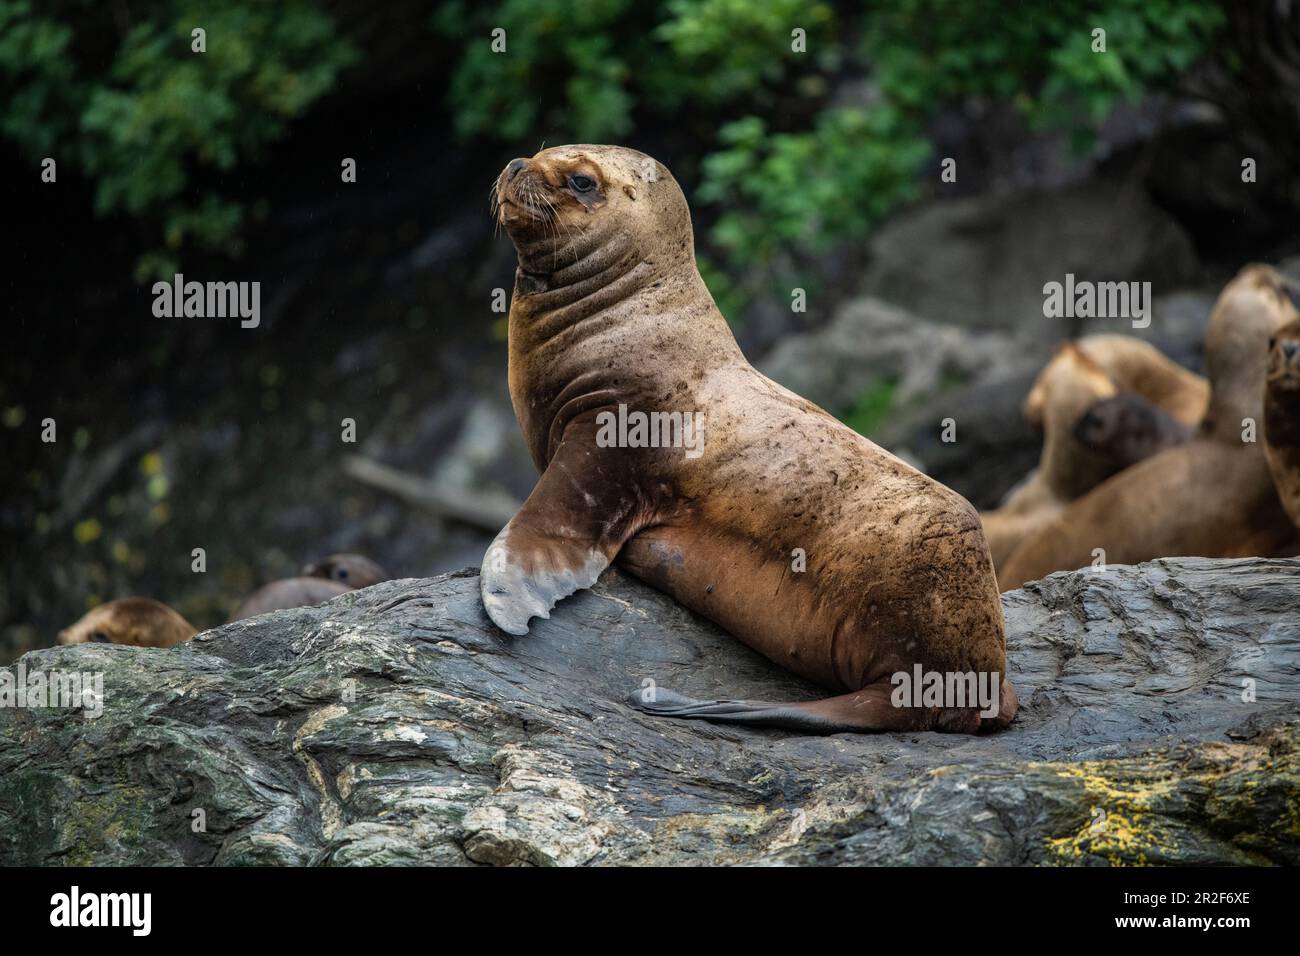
{"x":564,"y":536}
{"x":866,"y":709}
{"x":870,"y":708}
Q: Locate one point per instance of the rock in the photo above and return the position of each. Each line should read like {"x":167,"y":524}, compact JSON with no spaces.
{"x":868,"y":341}
{"x":994,"y":448}
{"x":981,"y":262}
{"x":396,"y":725}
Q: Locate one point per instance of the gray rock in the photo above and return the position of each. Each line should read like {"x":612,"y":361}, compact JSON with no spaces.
{"x":868,"y":341}
{"x":396,"y":725}
{"x":982,"y":262}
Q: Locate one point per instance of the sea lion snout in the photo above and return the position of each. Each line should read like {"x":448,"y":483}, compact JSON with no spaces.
{"x":513,"y":167}
{"x":1284,"y":358}
{"x":1091,"y":426}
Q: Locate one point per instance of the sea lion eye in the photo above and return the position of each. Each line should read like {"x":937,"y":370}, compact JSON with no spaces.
{"x":581,"y":183}
{"x":99,"y":637}
{"x":1272,"y":343}
{"x":341,"y":573}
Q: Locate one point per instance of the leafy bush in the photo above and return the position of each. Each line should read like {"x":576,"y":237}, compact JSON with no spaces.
{"x":839,"y":168}
{"x":160,"y":112}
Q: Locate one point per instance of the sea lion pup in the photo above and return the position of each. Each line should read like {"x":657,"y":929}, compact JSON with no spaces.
{"x":1151,"y":397}
{"x":287,"y":593}
{"x":1212,"y":496}
{"x":319,"y":582}
{"x":1138,"y":367}
{"x":1067,"y":387}
{"x":1124,"y":429}
{"x":611,"y":323}
{"x":1282,"y":417}
{"x":138,"y":621}
{"x":354,"y":570}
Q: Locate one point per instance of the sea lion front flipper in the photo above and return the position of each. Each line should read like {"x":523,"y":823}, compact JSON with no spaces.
{"x":566,"y":533}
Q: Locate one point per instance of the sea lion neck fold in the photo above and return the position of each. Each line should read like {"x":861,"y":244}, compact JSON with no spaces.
{"x":605,"y":276}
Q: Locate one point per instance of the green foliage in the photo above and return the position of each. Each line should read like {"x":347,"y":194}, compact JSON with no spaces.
{"x":579,"y":72}
{"x":1042,"y":57}
{"x":797,"y":150}
{"x":742,"y":47}
{"x":801,"y":191}
{"x":567,"y":68}
{"x":584,"y":72}
{"x":161,"y":112}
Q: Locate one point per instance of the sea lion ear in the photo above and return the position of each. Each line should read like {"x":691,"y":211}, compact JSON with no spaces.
{"x":630,"y":190}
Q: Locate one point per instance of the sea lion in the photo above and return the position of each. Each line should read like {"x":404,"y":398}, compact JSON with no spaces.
{"x":287,"y":593}
{"x":1135,"y":366}
{"x":354,"y":570}
{"x":1125,"y":429}
{"x":1212,"y":496}
{"x":1282,"y":417}
{"x":611,"y":324}
{"x":319,"y":582}
{"x":1067,"y":387}
{"x":1149,"y":397}
{"x":138,"y":621}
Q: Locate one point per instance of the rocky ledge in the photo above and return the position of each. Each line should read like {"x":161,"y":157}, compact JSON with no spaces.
{"x":1159,"y":724}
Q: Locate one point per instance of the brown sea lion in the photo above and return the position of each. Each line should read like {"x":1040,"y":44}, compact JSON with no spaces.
{"x":1282,"y":417}
{"x":138,"y":621}
{"x":1068,"y":386}
{"x":1124,"y":429}
{"x":1150,"y":398}
{"x":319,"y":582}
{"x":287,"y":593}
{"x":1212,"y":496}
{"x":1135,"y":366}
{"x":660,"y":446}
{"x":354,"y":570}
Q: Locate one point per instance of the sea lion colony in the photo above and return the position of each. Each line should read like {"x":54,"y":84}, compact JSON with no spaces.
{"x":609,"y":314}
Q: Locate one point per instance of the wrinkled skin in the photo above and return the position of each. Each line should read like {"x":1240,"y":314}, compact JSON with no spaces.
{"x":1210,"y":497}
{"x":139,"y":622}
{"x":610,"y":309}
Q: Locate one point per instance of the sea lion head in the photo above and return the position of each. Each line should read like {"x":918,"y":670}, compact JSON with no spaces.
{"x":1284,"y":360}
{"x":1250,"y":310}
{"x":1126,"y":428}
{"x":1282,"y":391}
{"x":595,"y":205}
{"x":1067,"y":386}
{"x":354,"y":570}
{"x":139,"y":622}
